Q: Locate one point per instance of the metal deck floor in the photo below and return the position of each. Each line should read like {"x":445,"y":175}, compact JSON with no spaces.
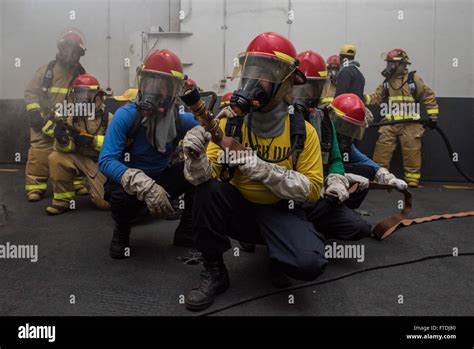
{"x":74,"y":260}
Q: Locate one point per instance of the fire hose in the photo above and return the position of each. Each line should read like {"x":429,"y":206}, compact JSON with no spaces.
{"x":440,"y":132}
{"x":388,"y":225}
{"x":191,"y":97}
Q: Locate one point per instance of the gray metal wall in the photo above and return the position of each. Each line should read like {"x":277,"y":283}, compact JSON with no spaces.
{"x":29,"y":30}
{"x":434,"y":32}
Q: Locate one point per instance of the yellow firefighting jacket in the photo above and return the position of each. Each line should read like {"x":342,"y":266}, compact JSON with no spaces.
{"x":400,"y":103}
{"x":309,"y":162}
{"x":35,"y":98}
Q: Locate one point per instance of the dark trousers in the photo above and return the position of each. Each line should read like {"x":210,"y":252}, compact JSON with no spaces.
{"x":355,"y":199}
{"x":125,"y":207}
{"x":336,"y":221}
{"x":220,"y":212}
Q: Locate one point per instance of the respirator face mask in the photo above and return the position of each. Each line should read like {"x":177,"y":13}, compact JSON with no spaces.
{"x":261,"y":76}
{"x":306,"y":97}
{"x":390,"y":69}
{"x":69,"y":54}
{"x":333,"y":73}
{"x":157,"y":92}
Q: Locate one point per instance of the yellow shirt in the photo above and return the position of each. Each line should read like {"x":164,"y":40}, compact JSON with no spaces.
{"x":309,"y":162}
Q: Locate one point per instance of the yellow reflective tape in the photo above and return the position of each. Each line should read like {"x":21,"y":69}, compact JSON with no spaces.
{"x":62,"y":196}
{"x":323,"y":73}
{"x":178,"y":74}
{"x":36,"y":186}
{"x":284,"y":57}
{"x":401,"y":117}
{"x":79,"y":182}
{"x":432,"y":111}
{"x":401,"y":98}
{"x":338,"y":112}
{"x":367,"y":99}
{"x":99,"y":142}
{"x":48,"y":128}
{"x":412,"y":175}
{"x":327,"y":99}
{"x":31,"y":106}
{"x":58,"y":90}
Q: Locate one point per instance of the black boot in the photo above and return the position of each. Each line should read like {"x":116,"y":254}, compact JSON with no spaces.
{"x":183,"y":235}
{"x":120,"y":245}
{"x":214,"y":280}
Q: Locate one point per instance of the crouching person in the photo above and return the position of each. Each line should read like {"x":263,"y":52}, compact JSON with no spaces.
{"x":77,"y":143}
{"x":258,"y":205}
{"x":137,"y":152}
{"x":330,"y":215}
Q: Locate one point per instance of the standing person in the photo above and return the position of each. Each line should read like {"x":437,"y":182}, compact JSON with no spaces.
{"x":256,"y":205}
{"x":349,"y":78}
{"x":402,"y":91}
{"x":329,"y":88}
{"x":137,"y":151}
{"x":47,"y":89}
{"x":77,"y":143}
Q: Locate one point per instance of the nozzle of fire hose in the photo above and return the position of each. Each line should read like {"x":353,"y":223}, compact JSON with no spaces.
{"x":190,"y":96}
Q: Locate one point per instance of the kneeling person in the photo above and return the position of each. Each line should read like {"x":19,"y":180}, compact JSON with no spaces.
{"x":137,"y":152}
{"x":254,"y":205}
{"x":77,"y":143}
{"x":330,"y":215}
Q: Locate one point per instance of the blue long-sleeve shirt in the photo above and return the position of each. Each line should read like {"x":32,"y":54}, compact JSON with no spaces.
{"x":359,"y":158}
{"x":142,"y":154}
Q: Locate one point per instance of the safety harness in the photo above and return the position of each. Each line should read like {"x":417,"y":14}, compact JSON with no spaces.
{"x":233,"y":129}
{"x":48,"y":76}
{"x":411,"y":85}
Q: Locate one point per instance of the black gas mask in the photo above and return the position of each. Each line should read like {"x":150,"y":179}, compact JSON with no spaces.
{"x":333,"y":74}
{"x":156,"y":93}
{"x":252,"y":94}
{"x":390,"y":69}
{"x":306,"y":97}
{"x":69,"y":54}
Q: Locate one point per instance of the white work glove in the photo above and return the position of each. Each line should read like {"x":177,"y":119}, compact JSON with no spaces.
{"x":337,"y":185}
{"x":226,"y":112}
{"x":284,"y":183}
{"x":136,"y":182}
{"x":362,"y":181}
{"x":197,"y":167}
{"x":383,"y":176}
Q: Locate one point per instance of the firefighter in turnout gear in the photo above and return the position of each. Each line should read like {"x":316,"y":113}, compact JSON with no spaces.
{"x":329,"y":88}
{"x":77,"y":143}
{"x":49,"y":86}
{"x":400,"y":96}
{"x":330,"y":215}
